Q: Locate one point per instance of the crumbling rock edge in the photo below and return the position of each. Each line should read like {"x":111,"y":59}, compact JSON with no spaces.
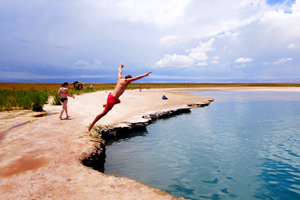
{"x":96,"y":159}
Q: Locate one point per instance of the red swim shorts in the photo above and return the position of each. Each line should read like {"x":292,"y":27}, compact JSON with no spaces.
{"x":111,"y":101}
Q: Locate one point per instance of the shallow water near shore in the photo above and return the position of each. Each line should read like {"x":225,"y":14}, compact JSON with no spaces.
{"x":245,"y":145}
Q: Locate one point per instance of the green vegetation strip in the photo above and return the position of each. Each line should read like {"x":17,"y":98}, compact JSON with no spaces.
{"x":22,"y":99}
{"x":33,"y":96}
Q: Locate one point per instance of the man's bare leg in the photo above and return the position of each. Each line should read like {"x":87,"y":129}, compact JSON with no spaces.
{"x":98,"y":117}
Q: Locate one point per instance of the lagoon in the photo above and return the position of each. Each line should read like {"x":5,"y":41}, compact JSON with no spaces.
{"x":245,"y":145}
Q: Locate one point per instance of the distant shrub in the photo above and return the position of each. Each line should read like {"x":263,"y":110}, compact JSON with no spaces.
{"x":56,"y":99}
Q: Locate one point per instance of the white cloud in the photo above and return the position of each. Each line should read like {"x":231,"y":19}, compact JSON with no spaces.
{"x":292,"y":46}
{"x":202,"y":63}
{"x":175,"y":61}
{"x":243,"y":60}
{"x":282,"y":61}
{"x":216,"y":57}
{"x":196,"y":54}
{"x":214,"y":62}
{"x":161,"y":13}
{"x":80,"y":64}
{"x":204,"y":46}
{"x":240,"y":66}
{"x":296,"y":6}
{"x":173,"y":40}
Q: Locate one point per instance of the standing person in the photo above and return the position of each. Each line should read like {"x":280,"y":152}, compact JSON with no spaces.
{"x":63,"y":92}
{"x":91,"y":86}
{"x":113,"y":97}
{"x":140,"y":88}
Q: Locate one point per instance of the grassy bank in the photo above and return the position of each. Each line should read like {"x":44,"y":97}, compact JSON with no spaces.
{"x":34,"y":95}
{"x":22,"y":99}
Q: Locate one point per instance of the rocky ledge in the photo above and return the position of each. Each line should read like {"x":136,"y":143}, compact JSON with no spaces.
{"x":97,"y":158}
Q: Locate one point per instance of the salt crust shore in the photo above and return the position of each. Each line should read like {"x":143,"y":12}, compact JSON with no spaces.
{"x":40,"y":158}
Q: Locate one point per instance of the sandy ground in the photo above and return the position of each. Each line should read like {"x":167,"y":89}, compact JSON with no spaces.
{"x":40,"y":157}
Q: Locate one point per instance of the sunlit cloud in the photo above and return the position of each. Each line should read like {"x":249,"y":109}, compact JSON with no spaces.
{"x":243,"y":60}
{"x":282,"y":61}
{"x":195,"y":54}
{"x":175,"y":61}
{"x":202,"y":63}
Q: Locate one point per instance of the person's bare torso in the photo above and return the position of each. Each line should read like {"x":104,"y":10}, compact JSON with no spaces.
{"x":120,"y":88}
{"x":63,"y":92}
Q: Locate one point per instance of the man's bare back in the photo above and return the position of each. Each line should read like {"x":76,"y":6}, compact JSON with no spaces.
{"x":120,"y":88}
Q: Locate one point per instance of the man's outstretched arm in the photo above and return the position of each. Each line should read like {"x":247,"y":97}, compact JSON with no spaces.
{"x":138,"y":77}
{"x":120,"y":71}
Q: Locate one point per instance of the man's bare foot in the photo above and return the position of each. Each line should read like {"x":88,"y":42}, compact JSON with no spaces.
{"x":68,"y":117}
{"x":90,"y":127}
{"x":60,"y":118}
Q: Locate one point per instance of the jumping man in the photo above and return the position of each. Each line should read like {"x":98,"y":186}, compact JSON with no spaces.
{"x":113,"y":97}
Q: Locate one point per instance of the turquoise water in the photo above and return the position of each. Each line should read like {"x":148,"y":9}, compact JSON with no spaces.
{"x":242,"y":146}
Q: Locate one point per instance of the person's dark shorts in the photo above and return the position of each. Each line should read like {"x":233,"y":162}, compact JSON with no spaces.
{"x":63,"y":99}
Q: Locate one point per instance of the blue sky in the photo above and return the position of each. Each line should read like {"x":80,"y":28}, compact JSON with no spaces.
{"x":178,"y":40}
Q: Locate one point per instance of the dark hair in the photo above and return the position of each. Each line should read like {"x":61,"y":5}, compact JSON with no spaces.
{"x":128,"y":76}
{"x":65,"y":83}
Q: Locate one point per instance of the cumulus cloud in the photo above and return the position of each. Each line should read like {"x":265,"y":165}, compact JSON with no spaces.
{"x":282,"y":61}
{"x":243,"y":60}
{"x":195,"y":54}
{"x":202,"y":63}
{"x":162,"y":13}
{"x":214,"y":62}
{"x":292,"y":46}
{"x":198,"y":53}
{"x":173,"y":40}
{"x":175,"y":61}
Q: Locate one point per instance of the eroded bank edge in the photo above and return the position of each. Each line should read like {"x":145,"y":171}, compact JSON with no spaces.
{"x":96,"y":159}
